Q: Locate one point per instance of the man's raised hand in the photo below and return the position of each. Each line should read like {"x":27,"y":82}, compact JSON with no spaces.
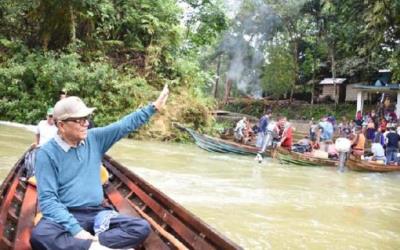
{"x":162,"y":98}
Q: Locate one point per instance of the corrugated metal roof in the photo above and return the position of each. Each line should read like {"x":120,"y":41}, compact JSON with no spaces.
{"x":330,"y":81}
{"x":389,"y":87}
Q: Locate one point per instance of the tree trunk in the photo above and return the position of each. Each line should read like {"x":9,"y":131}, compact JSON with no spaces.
{"x":228,"y":87}
{"x":333,"y":69}
{"x":291,"y":95}
{"x":313,"y":89}
{"x":313,"y":80}
{"x":215,"y":88}
{"x":296,"y":68}
{"x":72,"y":24}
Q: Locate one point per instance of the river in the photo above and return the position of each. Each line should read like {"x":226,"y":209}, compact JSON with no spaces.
{"x":259,"y":206}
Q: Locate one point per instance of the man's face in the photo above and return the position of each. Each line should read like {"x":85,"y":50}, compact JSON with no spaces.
{"x":75,"y":129}
{"x":281,"y":122}
{"x":50,"y":119}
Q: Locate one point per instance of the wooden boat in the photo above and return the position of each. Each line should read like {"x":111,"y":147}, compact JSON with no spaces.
{"x":173,"y":227}
{"x":220,"y":145}
{"x":300,"y":159}
{"x":357,"y":164}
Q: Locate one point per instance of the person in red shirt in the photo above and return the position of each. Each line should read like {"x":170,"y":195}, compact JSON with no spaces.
{"x":383,"y":125}
{"x":287,"y":135}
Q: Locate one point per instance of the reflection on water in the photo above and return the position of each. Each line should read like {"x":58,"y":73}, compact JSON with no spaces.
{"x":260,"y":206}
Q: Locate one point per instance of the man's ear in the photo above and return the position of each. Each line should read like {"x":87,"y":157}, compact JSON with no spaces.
{"x":59,"y":124}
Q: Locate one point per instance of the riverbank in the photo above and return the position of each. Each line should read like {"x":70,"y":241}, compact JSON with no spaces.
{"x":297,"y":110}
{"x":30,"y":128}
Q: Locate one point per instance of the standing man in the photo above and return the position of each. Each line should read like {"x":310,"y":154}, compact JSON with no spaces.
{"x":70,"y":193}
{"x":46,"y":129}
{"x":63,"y":94}
{"x":392,"y":145}
{"x":262,"y":130}
{"x":327,"y":129}
{"x":264,"y":135}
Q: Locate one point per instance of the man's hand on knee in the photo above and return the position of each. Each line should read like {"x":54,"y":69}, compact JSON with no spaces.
{"x":85,"y":235}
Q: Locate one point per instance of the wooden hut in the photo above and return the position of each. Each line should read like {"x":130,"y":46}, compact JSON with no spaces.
{"x":328,"y":88}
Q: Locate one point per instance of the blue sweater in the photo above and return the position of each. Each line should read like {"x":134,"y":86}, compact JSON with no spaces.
{"x":70,"y":177}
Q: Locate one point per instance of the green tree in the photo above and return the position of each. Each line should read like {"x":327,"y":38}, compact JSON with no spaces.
{"x":278,"y":75}
{"x":293,"y":28}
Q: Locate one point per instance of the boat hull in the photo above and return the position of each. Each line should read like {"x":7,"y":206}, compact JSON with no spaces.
{"x":299,"y":159}
{"x":365,"y":166}
{"x":213,"y":144}
{"x":173,"y":227}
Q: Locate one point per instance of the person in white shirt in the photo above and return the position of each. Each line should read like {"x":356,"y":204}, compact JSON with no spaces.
{"x":46,"y":129}
{"x":378,"y":153}
{"x":240,"y":128}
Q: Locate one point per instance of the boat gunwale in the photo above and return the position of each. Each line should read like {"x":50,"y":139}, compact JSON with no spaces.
{"x":313,"y":160}
{"x":364,"y":166}
{"x":189,"y":219}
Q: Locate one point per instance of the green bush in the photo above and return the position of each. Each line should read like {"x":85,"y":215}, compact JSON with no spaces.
{"x":29,"y":85}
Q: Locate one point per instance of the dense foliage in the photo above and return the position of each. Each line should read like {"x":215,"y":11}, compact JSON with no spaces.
{"x":116,"y":55}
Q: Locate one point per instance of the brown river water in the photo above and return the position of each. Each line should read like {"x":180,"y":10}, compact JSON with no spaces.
{"x":259,"y":206}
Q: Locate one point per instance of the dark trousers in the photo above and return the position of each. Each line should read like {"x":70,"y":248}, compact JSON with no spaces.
{"x":124,"y":232}
{"x":391,"y":154}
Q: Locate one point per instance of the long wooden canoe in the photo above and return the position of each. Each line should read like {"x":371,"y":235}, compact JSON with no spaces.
{"x":213,"y":144}
{"x":300,"y":159}
{"x":356,"y":164}
{"x":173,"y":227}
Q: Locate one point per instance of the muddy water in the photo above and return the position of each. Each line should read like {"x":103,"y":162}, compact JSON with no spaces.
{"x":259,"y":206}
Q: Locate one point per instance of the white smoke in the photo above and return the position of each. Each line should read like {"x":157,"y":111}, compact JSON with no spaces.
{"x":246,"y":41}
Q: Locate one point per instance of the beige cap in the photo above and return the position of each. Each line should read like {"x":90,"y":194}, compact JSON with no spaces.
{"x":71,"y":107}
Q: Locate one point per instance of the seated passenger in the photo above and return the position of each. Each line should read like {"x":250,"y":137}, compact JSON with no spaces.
{"x":378,"y":153}
{"x":358,"y":143}
{"x":303,"y":145}
{"x":70,"y":194}
{"x":331,"y":150}
{"x":287,"y":136}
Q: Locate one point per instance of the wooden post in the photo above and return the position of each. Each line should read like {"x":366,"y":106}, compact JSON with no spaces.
{"x":398,"y":105}
{"x":360,"y":101}
{"x":215,"y":89}
{"x":228,"y":87}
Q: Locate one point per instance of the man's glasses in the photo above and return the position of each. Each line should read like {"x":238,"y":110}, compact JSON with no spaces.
{"x":82,"y":120}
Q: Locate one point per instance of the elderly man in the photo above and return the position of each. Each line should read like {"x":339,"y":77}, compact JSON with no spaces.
{"x":68,"y":182}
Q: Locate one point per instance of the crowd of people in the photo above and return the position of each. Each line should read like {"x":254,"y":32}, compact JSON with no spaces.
{"x":380,"y":134}
{"x":267,"y":133}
